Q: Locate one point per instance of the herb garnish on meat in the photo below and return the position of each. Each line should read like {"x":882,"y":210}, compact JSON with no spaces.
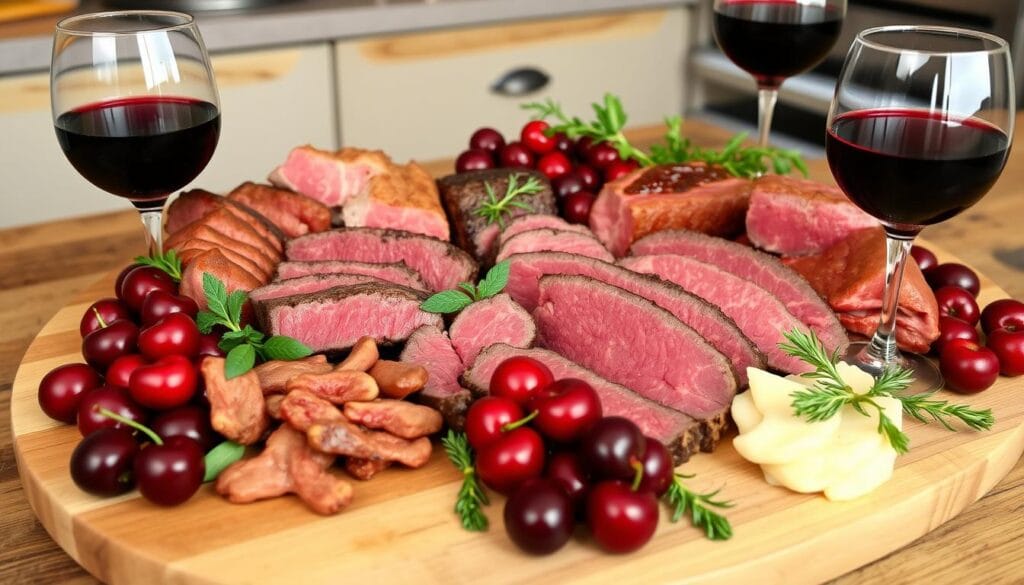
{"x":453,"y":301}
{"x":494,"y":209}
{"x":168,"y":261}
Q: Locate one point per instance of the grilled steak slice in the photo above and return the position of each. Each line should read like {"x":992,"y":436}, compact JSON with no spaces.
{"x":190,"y":249}
{"x":274,"y":375}
{"x":794,"y":217}
{"x":430,"y":347}
{"x":307,"y":284}
{"x":293,"y":213}
{"x":441,"y":264}
{"x":404,"y":198}
{"x":761,"y":269}
{"x":535,"y":222}
{"x":682,"y":434}
{"x":498,"y":319}
{"x":631,"y":341}
{"x":689,"y":196}
{"x":400,"y":418}
{"x":238,"y":229}
{"x":196,"y":234}
{"x":548,"y":240}
{"x":851,"y":275}
{"x":397,"y":272}
{"x":190,"y":206}
{"x":335,"y":318}
{"x":526,"y":270}
{"x":759,"y":314}
{"x":329,"y":177}
{"x":216,"y":263}
{"x":465,"y":193}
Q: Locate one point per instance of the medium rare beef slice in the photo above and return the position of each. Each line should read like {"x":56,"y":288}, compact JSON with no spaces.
{"x":307,"y":284}
{"x":405,"y":198}
{"x":286,"y":466}
{"x":686,"y":195}
{"x":400,"y":418}
{"x":631,"y":341}
{"x":441,"y":265}
{"x":464,"y":196}
{"x":498,"y":319}
{"x":329,"y":177}
{"x":337,"y":387}
{"x":851,"y":276}
{"x":682,"y":434}
{"x":430,"y":347}
{"x":796,"y":217}
{"x":237,"y":410}
{"x":293,"y":213}
{"x":396,"y":272}
{"x":764,"y":270}
{"x":526,"y":223}
{"x":344,"y":438}
{"x":335,"y":319}
{"x":526,"y":270}
{"x":274,"y":375}
{"x":761,"y":316}
{"x":549,"y":240}
{"x":216,"y":263}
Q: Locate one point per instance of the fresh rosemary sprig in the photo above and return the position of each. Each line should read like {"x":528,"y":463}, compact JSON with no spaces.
{"x":494,"y":209}
{"x":472,"y":497}
{"x":830,"y":393}
{"x":168,"y":261}
{"x":681,"y":499}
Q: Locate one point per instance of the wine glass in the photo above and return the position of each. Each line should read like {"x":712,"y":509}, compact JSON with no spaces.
{"x":776,"y":39}
{"x":919,"y":129}
{"x":135,"y":105}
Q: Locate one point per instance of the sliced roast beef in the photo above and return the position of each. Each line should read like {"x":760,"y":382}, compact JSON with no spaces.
{"x":631,"y":341}
{"x":193,"y":247}
{"x":549,"y":240}
{"x":430,"y":347}
{"x":465,"y":194}
{"x":442,"y":265}
{"x":498,"y":319}
{"x":761,"y":269}
{"x":687,"y":195}
{"x":851,"y":275}
{"x":187,"y":238}
{"x":293,"y":213}
{"x":759,"y":314}
{"x":795,"y":217}
{"x":536,"y":222}
{"x":329,"y":177}
{"x":404,"y":198}
{"x":526,"y":270}
{"x":307,"y":284}
{"x":682,"y":434}
{"x":396,"y":272}
{"x":335,"y":318}
{"x":232,"y":275}
{"x":190,"y":206}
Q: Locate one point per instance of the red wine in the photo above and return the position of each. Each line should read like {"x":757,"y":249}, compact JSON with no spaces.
{"x":912,"y":168}
{"x":773,"y":40}
{"x":141,"y":148}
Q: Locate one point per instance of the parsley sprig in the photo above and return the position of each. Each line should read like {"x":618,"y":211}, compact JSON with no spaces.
{"x":830,"y":394}
{"x":242,"y":344}
{"x":494,"y":209}
{"x":700,"y":506}
{"x":472,"y":497}
{"x":167,"y":261}
{"x":454,"y":300}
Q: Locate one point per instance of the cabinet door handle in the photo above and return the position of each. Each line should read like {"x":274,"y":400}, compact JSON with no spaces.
{"x":520,"y":81}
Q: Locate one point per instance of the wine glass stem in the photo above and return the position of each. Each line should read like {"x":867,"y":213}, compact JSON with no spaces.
{"x":883,"y":349}
{"x":152,"y":220}
{"x":766,"y":98}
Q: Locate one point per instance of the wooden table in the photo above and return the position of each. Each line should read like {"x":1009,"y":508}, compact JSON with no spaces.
{"x":45,"y":264}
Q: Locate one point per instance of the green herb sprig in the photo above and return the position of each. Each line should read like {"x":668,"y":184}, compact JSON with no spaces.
{"x":472,"y":497}
{"x":454,"y":300}
{"x":168,"y":261}
{"x":700,"y":506}
{"x":494,"y":209}
{"x":242,"y":344}
{"x":830,"y":394}
{"x":220,"y":458}
{"x":610,"y":119}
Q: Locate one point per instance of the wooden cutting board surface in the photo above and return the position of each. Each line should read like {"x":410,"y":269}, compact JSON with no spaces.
{"x":400,"y":527}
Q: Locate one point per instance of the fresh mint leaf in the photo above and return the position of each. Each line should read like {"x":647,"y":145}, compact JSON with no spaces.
{"x":495,"y":281}
{"x":447,"y":301}
{"x":206,"y":320}
{"x":282,"y":347}
{"x":234,"y":305}
{"x":216,"y":296}
{"x":240,"y":360}
{"x":220,"y":457}
{"x":168,"y":262}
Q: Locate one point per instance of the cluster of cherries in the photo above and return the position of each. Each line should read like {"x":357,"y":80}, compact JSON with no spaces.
{"x":141,"y":351}
{"x":966,"y":364}
{"x":577,"y":169}
{"x":601,"y":470}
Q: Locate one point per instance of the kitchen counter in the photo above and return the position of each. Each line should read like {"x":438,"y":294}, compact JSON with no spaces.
{"x":25,"y":46}
{"x":46,"y":264}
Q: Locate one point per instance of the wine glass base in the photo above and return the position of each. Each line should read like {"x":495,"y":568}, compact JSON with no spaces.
{"x":927,"y":377}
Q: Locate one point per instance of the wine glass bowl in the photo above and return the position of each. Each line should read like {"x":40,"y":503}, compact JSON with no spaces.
{"x":134,"y":104}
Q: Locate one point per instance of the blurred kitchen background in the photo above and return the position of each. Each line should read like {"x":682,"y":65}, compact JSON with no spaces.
{"x":416,"y":77}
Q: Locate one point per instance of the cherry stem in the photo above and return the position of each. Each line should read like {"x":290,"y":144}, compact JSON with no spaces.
{"x":638,"y":474}
{"x":516,"y":424}
{"x":103,"y":324}
{"x":133,"y":424}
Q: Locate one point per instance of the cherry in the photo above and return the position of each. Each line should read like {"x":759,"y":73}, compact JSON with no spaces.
{"x":968,"y":367}
{"x":1004,"y":313}
{"x":518,"y":378}
{"x":539,"y":517}
{"x":62,"y":388}
{"x":516,"y":155}
{"x":101,"y":347}
{"x":566,"y":409}
{"x":187,"y":421}
{"x":563,"y":143}
{"x":582,"y":147}
{"x":951,"y":328}
{"x":486,"y":417}
{"x":576,"y":207}
{"x":209,"y":345}
{"x":1008,"y":345}
{"x":924,"y":257}
{"x":554,"y":165}
{"x":90,"y":419}
{"x":102,"y":311}
{"x":120,"y":371}
{"x":658,"y":469}
{"x":102,"y":462}
{"x":953,"y":274}
{"x":535,"y":138}
{"x":603,"y":155}
{"x":170,"y":473}
{"x":591,"y":180}
{"x":565,"y":468}
{"x":518,"y":455}
{"x":621,"y":520}
{"x":567,"y":184}
{"x":474,"y":160}
{"x":619,"y":169}
{"x":488,"y":140}
{"x":160,"y":303}
{"x":121,"y":276}
{"x":957,"y":302}
{"x":168,"y":383}
{"x":175,"y":334}
{"x":612,"y":447}
{"x":142,"y":280}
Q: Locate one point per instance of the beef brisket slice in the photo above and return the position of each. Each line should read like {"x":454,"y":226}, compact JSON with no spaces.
{"x":430,"y":347}
{"x":396,"y":272}
{"x":498,"y":319}
{"x":631,"y":341}
{"x":335,"y":318}
{"x":442,"y":265}
{"x":549,"y":240}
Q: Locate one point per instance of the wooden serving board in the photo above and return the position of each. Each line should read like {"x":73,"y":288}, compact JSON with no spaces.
{"x":401,"y":528}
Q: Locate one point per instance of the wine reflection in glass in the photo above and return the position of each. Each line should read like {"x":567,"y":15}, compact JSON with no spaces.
{"x":135,"y":105}
{"x":919,"y":129}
